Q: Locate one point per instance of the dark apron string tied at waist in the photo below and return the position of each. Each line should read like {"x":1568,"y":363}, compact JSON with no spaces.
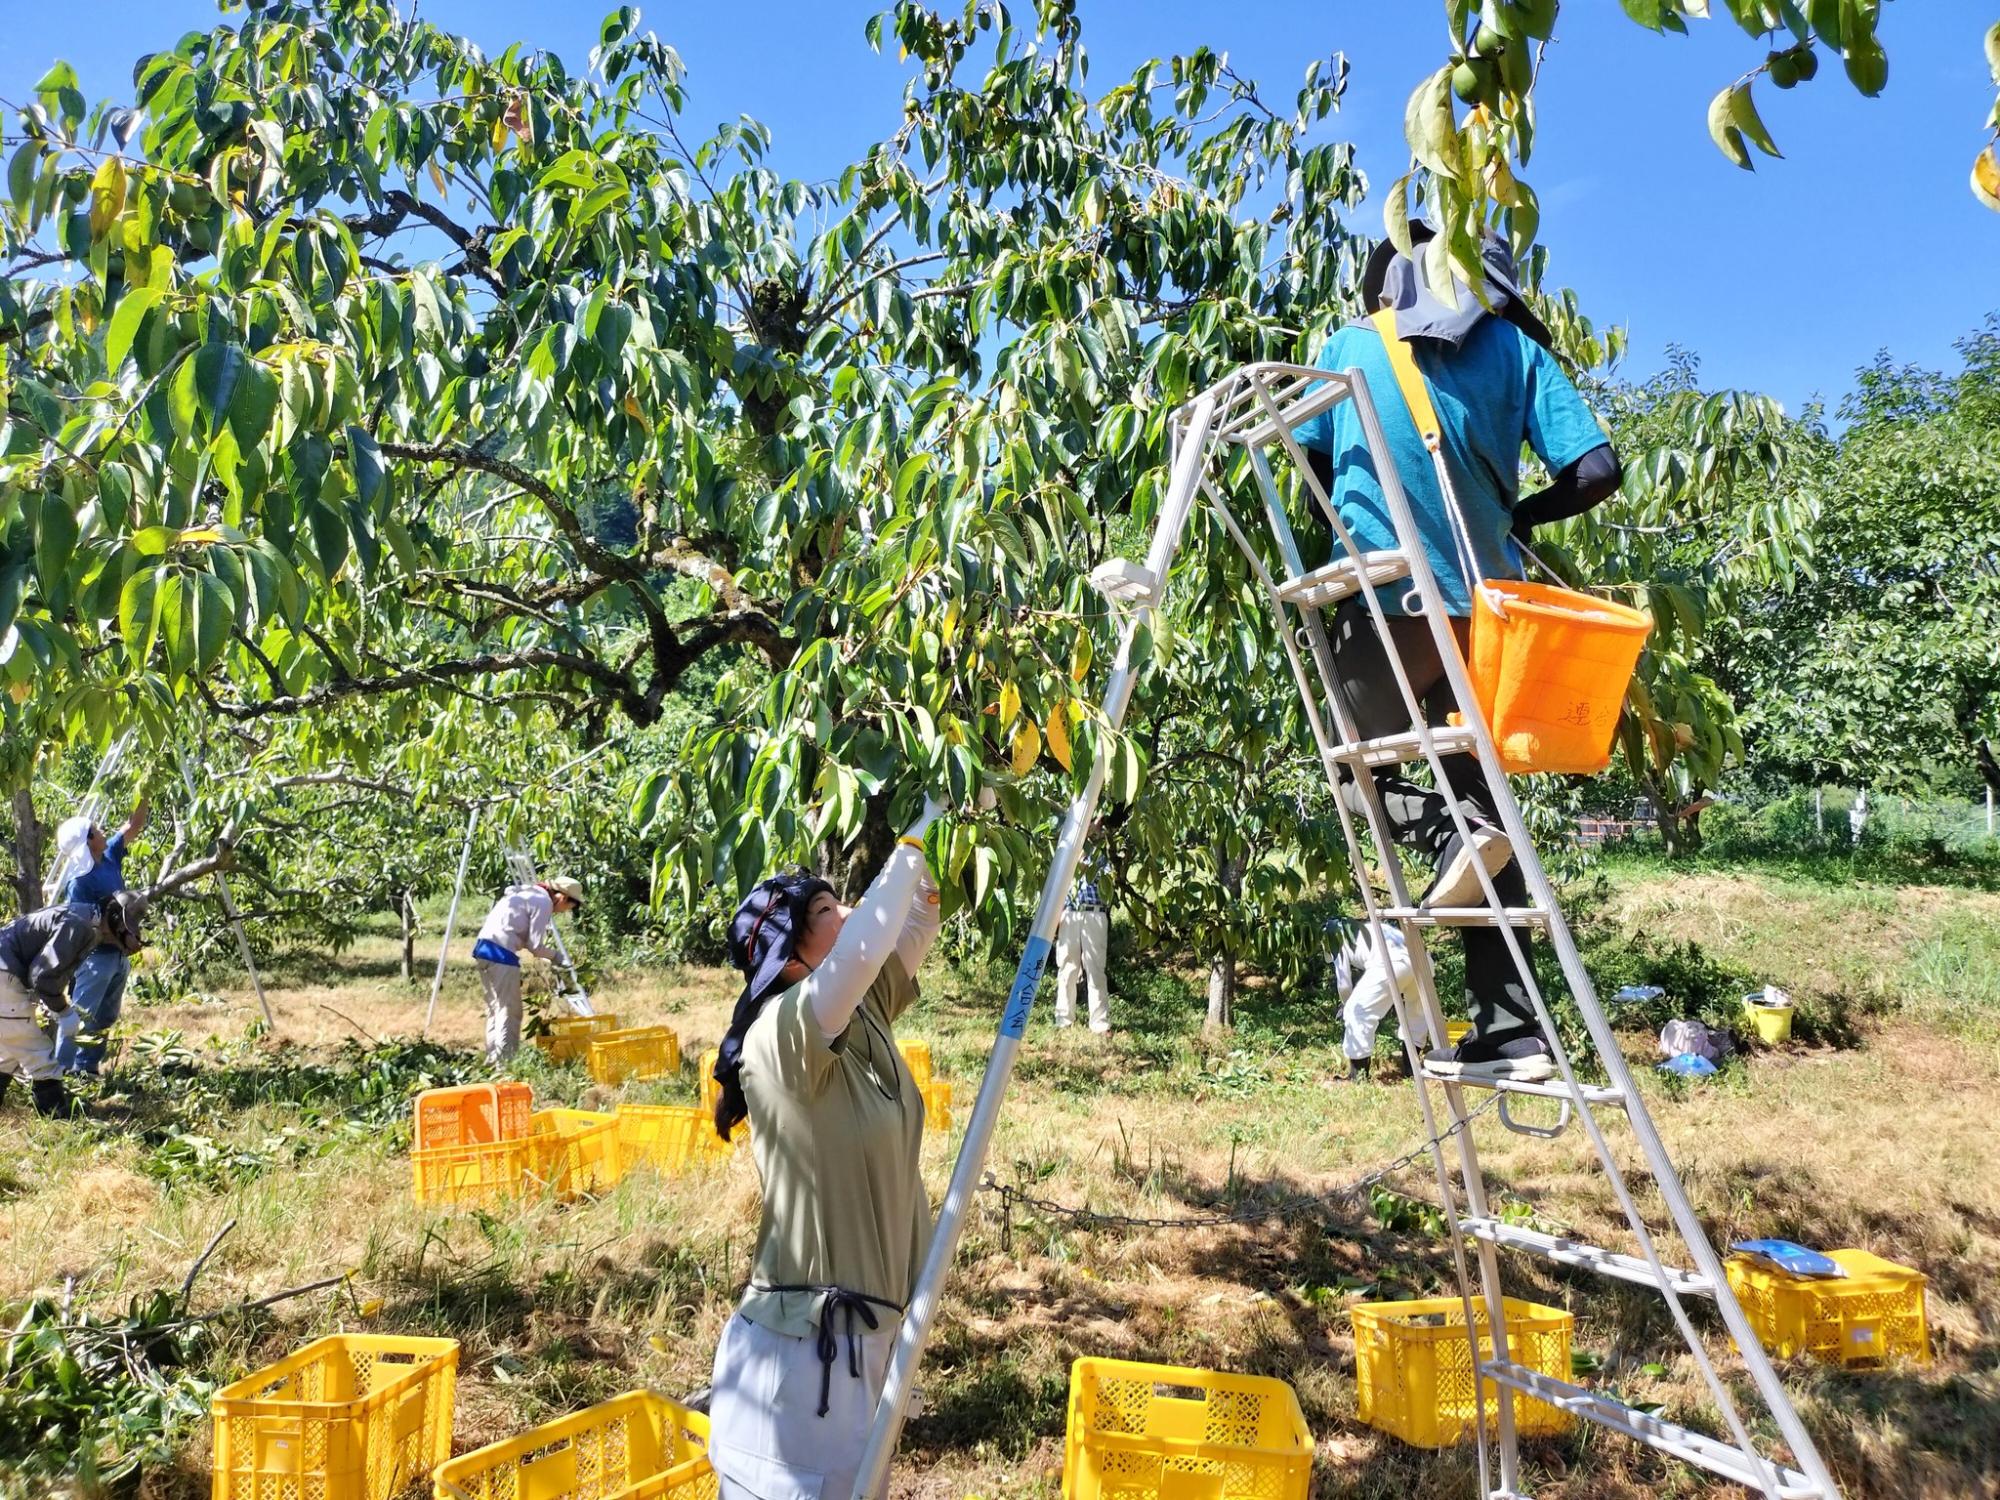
{"x":836,"y":1300}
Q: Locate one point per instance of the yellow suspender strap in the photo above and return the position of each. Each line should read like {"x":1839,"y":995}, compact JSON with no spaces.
{"x":1416,"y":394}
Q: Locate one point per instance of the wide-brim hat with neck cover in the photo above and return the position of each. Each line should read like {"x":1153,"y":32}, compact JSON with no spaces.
{"x":1393,"y":280}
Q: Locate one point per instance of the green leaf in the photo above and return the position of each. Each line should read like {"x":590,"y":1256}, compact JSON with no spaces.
{"x":214,"y":615}
{"x":254,"y":405}
{"x":366,"y":458}
{"x":1867,"y":65}
{"x":329,"y":533}
{"x":216,"y":368}
{"x":1743,"y":115}
{"x":1723,"y":130}
{"x":175,"y":610}
{"x":125,"y":323}
{"x":55,"y":542}
{"x":138,"y":612}
{"x":21,"y":173}
{"x":1993,"y":53}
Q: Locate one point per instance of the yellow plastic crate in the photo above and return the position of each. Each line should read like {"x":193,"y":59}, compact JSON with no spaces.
{"x":478,"y":1174}
{"x":917,"y":1057}
{"x":471,"y":1114}
{"x":638,"y":1446}
{"x":1156,"y":1430}
{"x":568,"y":1036}
{"x":711,"y":1091}
{"x":1873,"y":1315}
{"x":669,"y":1137}
{"x":635,"y":1052}
{"x":351,"y":1417}
{"x":573,"y":1152}
{"x":937,"y":1104}
{"x":1456,"y":1032}
{"x":1413,"y":1367}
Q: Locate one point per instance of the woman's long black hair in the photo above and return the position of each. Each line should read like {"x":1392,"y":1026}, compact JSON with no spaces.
{"x":763,"y":938}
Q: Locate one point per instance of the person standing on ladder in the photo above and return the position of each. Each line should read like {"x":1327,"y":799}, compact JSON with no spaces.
{"x":1082,"y":943}
{"x":837,"y":1123}
{"x":40,"y":954}
{"x":518,"y":923}
{"x":97,"y":993}
{"x":1496,"y":386}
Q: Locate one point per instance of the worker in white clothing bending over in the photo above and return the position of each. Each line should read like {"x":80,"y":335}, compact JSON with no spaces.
{"x":518,"y":923}
{"x":1082,"y":942}
{"x":1367,"y":992}
{"x":39,"y":956}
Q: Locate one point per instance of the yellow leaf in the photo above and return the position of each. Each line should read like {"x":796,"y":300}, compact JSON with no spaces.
{"x":204,"y":537}
{"x":630,"y":406}
{"x":1027,"y":748}
{"x":660,"y":1345}
{"x":371,"y":1307}
{"x":19,"y":691}
{"x":437,"y":179}
{"x":948,"y":628}
{"x":1079,"y":656}
{"x":1010,"y":704}
{"x":107,"y":195}
{"x":499,"y":133}
{"x":1059,"y":736}
{"x":1986,"y":178}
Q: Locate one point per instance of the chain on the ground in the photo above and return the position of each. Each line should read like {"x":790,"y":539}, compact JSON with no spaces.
{"x":1297,"y":1206}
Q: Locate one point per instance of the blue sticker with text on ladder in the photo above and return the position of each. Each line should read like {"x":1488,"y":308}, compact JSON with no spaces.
{"x":1027,"y":979}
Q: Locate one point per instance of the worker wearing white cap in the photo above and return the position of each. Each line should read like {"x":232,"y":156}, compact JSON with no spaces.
{"x":518,"y":923}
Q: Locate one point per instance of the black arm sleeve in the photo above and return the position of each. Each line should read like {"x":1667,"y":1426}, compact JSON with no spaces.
{"x":1589,"y":481}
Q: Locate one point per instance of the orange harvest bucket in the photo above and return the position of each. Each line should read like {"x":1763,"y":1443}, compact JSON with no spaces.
{"x":1550,"y":667}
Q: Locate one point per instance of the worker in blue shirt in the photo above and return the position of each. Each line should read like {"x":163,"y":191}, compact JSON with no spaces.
{"x":97,"y":993}
{"x":1496,"y":387}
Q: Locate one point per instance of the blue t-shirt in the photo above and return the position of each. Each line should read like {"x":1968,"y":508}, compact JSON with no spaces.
{"x":102,"y":880}
{"x":1495,"y":391}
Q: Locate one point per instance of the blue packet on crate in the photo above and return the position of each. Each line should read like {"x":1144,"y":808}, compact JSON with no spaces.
{"x":1791,"y":1258}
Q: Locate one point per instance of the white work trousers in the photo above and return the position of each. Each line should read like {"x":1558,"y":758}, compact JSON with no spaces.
{"x":26,"y":1050}
{"x":1373,"y":997}
{"x":1082,"y":941}
{"x":766,"y":1437}
{"x":502,"y":983}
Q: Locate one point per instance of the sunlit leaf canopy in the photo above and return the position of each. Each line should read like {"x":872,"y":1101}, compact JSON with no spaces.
{"x":374,"y":397}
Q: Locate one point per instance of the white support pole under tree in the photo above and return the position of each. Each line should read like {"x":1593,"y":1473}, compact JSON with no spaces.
{"x":451,"y":916}
{"x":235,"y":921}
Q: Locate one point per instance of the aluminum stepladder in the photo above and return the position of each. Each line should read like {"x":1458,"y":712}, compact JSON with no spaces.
{"x":521,"y":867}
{"x":1257,"y":409}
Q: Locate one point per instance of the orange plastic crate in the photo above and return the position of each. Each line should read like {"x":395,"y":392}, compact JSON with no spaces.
{"x":474,"y":1176}
{"x":471,"y":1114}
{"x":635,"y":1052}
{"x":1413,"y":1367}
{"x":670,"y":1137}
{"x":1139,"y":1430}
{"x":350,"y":1417}
{"x":568,"y":1036}
{"x":639,"y":1446}
{"x":937,"y":1104}
{"x":1871,"y":1316}
{"x":711,"y":1091}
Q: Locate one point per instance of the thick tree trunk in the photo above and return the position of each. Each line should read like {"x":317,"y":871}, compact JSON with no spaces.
{"x":27,"y":851}
{"x":1221,"y":992}
{"x":409,"y":909}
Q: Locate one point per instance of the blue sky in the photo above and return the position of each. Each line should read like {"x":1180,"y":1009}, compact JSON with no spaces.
{"x":1865,"y":237}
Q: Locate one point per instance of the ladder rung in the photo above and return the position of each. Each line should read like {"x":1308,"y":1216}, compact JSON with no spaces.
{"x":1684,"y":1443}
{"x":1590,"y":1093}
{"x":1584,"y":1257}
{"x":1394,"y":749}
{"x":1467,"y":916}
{"x":1337,"y":580}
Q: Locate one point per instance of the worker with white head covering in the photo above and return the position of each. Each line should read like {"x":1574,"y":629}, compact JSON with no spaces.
{"x":91,"y":867}
{"x":518,"y":923}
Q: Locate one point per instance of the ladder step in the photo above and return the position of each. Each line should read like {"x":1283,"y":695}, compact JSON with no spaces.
{"x":1684,"y":1443}
{"x":1590,"y":1093}
{"x":1570,"y":1252}
{"x":1340,"y":580}
{"x":1467,"y":916}
{"x":1395,"y":749}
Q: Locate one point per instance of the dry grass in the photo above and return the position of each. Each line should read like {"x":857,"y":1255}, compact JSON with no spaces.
{"x":1885,"y":1146}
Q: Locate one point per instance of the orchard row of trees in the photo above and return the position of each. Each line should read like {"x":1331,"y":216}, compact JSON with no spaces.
{"x":387,"y":423}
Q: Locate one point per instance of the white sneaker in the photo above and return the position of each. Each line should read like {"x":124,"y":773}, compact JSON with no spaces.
{"x":1457,"y":881}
